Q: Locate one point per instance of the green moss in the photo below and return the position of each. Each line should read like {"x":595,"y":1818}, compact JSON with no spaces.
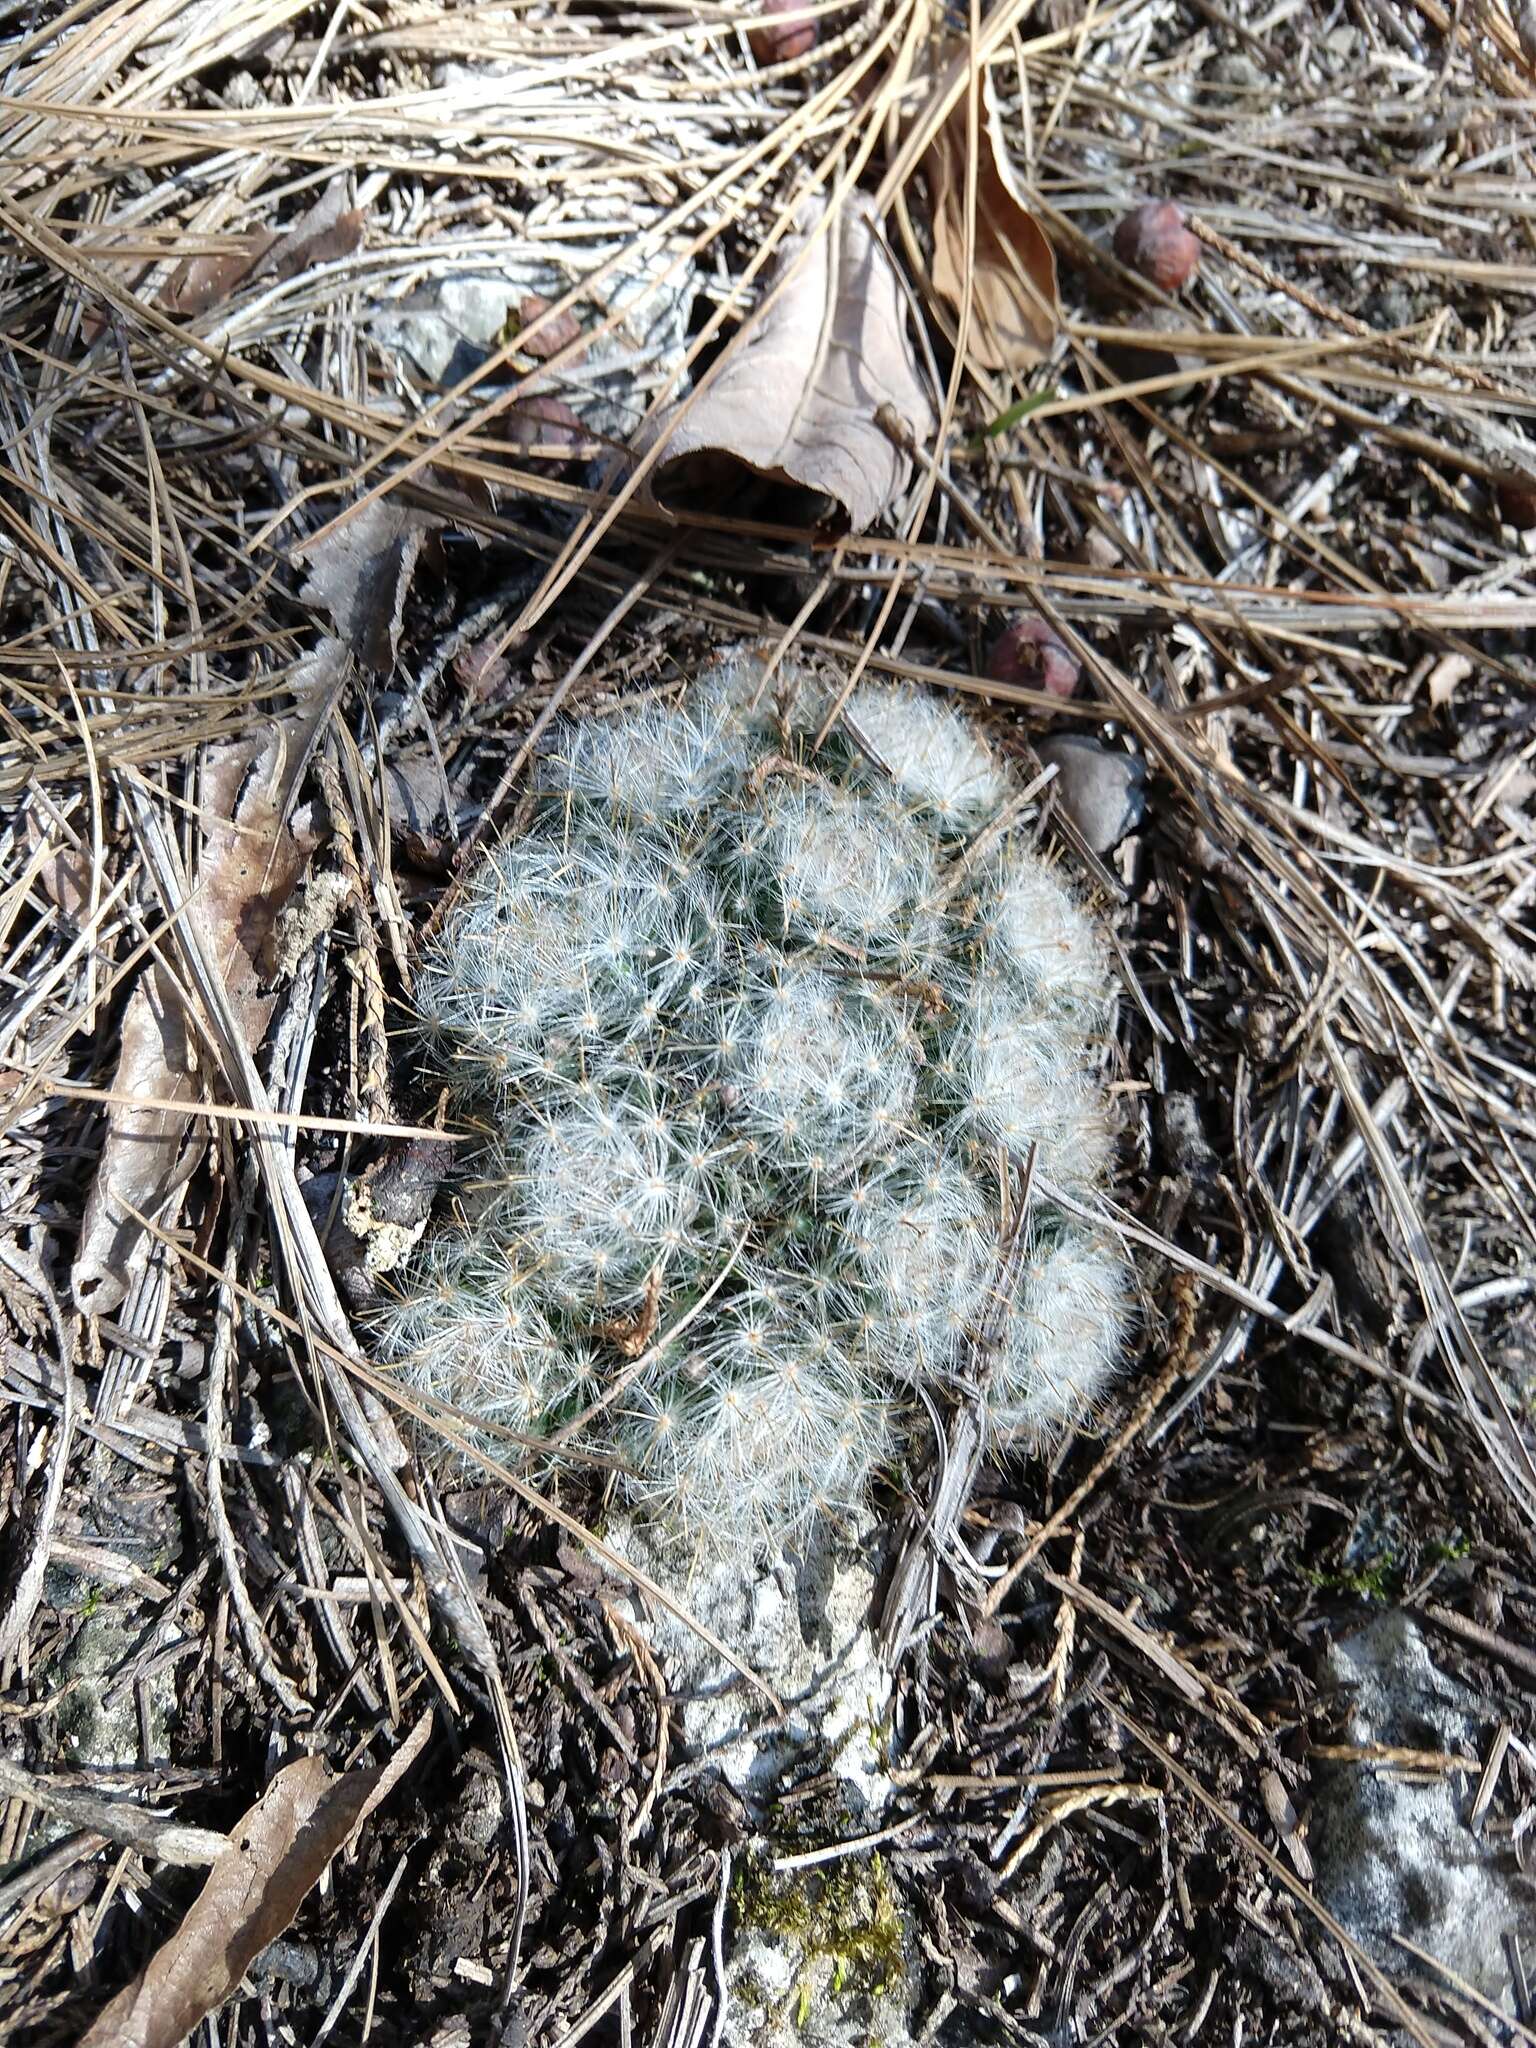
{"x":1381,"y":1580}
{"x":848,"y":1920}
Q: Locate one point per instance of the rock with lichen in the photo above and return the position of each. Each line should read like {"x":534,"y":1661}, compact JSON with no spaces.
{"x":1395,"y":1855}
{"x":822,"y":1955}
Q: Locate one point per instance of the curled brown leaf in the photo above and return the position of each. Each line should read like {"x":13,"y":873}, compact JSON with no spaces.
{"x":1011,"y":280}
{"x":277,"y":1853}
{"x":361,"y":574}
{"x":808,"y":393}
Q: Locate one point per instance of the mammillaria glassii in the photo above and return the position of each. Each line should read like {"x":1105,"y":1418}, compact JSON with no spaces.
{"x":736,"y":1005}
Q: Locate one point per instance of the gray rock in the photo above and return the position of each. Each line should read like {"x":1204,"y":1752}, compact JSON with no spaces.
{"x":802,"y":1623}
{"x":450,"y":327}
{"x":1392,"y":306}
{"x":1395,"y":1857}
{"x":1101,"y":790}
{"x":1143,"y":350}
{"x":98,"y":1714}
{"x":116,"y":1631}
{"x":99,"y":1717}
{"x":1236,"y":70}
{"x":1513,"y":1351}
{"x":454,"y":320}
{"x":818,"y":1958}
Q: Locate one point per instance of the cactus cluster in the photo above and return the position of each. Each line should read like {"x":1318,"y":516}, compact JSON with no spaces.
{"x":735,"y":1004}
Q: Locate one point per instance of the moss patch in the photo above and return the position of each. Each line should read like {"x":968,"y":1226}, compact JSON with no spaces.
{"x":846,"y":1926}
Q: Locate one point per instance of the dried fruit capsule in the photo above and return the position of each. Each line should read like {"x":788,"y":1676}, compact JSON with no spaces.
{"x":1029,"y":653}
{"x":785,"y":32}
{"x":544,"y":429}
{"x":1516,"y":494}
{"x":1154,"y":240}
{"x":554,"y":335}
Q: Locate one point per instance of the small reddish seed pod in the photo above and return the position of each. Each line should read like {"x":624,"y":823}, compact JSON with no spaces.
{"x":1029,"y":654}
{"x":1516,"y":495}
{"x":554,"y":335}
{"x":543,"y":429}
{"x":1154,"y":240}
{"x":786,"y":31}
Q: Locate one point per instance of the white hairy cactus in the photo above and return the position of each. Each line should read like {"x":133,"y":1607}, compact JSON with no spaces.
{"x":764,"y":1034}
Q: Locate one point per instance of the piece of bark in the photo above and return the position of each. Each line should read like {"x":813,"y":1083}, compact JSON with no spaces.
{"x":252,"y":856}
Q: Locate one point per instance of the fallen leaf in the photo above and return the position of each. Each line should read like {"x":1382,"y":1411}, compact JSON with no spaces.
{"x":1015,"y":307}
{"x":480,"y":671}
{"x":277,"y":1854}
{"x":199,"y":283}
{"x":361,"y":572}
{"x":328,"y":230}
{"x":250,"y":861}
{"x":543,"y":429}
{"x":60,"y":864}
{"x":427,"y":817}
{"x":148,"y":1154}
{"x":799,"y":397}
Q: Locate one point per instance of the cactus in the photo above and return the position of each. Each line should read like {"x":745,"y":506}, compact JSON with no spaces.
{"x":737,"y":1005}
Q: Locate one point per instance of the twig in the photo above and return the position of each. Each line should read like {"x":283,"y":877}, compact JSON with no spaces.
{"x":364,"y":1950}
{"x":118,"y":1820}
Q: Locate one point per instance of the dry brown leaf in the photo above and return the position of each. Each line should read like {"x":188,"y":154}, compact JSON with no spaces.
{"x":809,"y":392}
{"x":329,"y":229}
{"x":199,"y":283}
{"x":251,"y":859}
{"x":1012,"y":281}
{"x":361,"y":573}
{"x":277,"y":1854}
{"x":148,"y":1154}
{"x":62,"y":866}
{"x":427,"y":817}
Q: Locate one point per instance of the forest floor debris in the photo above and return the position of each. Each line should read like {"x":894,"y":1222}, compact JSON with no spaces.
{"x":1274,"y":515}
